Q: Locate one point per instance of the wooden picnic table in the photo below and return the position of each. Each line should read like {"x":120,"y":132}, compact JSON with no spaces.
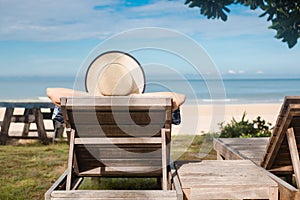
{"x":33,"y":113}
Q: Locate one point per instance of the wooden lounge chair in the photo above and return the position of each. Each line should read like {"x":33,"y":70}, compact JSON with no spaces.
{"x":282,"y":152}
{"x":279,"y":155}
{"x":116,"y":137}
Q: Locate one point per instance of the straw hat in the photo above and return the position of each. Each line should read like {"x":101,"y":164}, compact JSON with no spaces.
{"x":115,"y":73}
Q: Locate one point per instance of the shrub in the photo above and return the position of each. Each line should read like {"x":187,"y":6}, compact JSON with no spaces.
{"x":245,"y":128}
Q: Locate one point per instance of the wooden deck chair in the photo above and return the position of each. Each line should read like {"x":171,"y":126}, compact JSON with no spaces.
{"x":282,"y":152}
{"x":116,"y":137}
{"x":279,"y":154}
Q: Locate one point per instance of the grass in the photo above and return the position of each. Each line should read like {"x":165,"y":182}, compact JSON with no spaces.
{"x":28,"y":170}
{"x":120,"y":184}
{"x":190,"y":147}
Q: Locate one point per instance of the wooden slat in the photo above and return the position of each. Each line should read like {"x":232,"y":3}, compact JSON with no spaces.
{"x":121,"y":171}
{"x":56,"y":184}
{"x":70,"y":160}
{"x":6,"y":124}
{"x":240,"y":148}
{"x":30,"y":104}
{"x":108,"y":118}
{"x":286,"y":190}
{"x":122,"y":130}
{"x":115,"y":194}
{"x":175,"y":182}
{"x":40,"y":126}
{"x":288,"y":168}
{"x":23,"y":119}
{"x":116,"y":152}
{"x":27,"y":114}
{"x":294,"y":154}
{"x":164,"y":159}
{"x":140,"y":140}
{"x":116,"y":101}
{"x":92,"y":163}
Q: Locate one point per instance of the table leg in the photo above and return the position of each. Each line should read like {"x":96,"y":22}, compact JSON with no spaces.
{"x":26,"y":127}
{"x":40,"y":126}
{"x":5,"y":125}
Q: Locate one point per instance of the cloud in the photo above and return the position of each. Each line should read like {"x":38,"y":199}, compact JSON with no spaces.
{"x":259,"y":72}
{"x":230,"y":71}
{"x":48,"y":20}
{"x":53,"y":20}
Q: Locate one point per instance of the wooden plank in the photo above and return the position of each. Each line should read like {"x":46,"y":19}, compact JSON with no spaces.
{"x":116,"y":152}
{"x":237,"y":192}
{"x":56,"y":184}
{"x":93,"y":163}
{"x":140,"y":140}
{"x":245,"y":141}
{"x":152,"y":130}
{"x":117,"y":101}
{"x":27,"y":114}
{"x":30,"y":104}
{"x":115,"y":194}
{"x":286,"y":190}
{"x":226,"y":151}
{"x":294,"y":154}
{"x":124,"y":171}
{"x":70,"y":160}
{"x":23,"y":119}
{"x":288,"y":169}
{"x":5,"y":125}
{"x":107,"y":118}
{"x":164,"y":159}
{"x":175,"y":182}
{"x":40,"y":126}
{"x":273,"y":193}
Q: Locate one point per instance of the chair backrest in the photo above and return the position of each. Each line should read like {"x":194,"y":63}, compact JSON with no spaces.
{"x":118,"y":136}
{"x":277,"y":157}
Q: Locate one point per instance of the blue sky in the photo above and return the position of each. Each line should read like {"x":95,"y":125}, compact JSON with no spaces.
{"x":50,"y":37}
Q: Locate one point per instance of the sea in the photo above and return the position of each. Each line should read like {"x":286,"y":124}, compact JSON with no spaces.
{"x":227,"y":90}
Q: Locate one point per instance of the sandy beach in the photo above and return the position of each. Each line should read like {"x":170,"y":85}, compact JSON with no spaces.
{"x":206,"y":118}
{"x":199,"y":119}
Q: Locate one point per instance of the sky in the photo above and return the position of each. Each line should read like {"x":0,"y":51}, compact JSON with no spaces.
{"x":54,"y":37}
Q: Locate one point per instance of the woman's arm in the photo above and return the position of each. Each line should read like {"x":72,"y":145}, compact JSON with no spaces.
{"x":178,"y":99}
{"x":56,"y":93}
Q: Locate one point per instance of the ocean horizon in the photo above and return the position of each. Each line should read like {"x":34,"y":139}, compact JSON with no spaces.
{"x":228,"y":90}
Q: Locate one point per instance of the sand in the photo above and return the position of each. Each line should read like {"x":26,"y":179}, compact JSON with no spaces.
{"x":206,"y":118}
{"x":199,"y":119}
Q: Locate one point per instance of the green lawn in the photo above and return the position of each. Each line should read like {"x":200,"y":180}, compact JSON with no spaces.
{"x":28,"y":170}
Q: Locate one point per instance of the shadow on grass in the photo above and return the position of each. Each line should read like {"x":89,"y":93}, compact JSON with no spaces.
{"x":120,"y":184}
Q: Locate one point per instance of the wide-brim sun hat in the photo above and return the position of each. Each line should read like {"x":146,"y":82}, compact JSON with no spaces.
{"x":115,"y":73}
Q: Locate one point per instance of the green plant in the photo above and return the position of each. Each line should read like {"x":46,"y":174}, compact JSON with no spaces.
{"x":245,"y":128}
